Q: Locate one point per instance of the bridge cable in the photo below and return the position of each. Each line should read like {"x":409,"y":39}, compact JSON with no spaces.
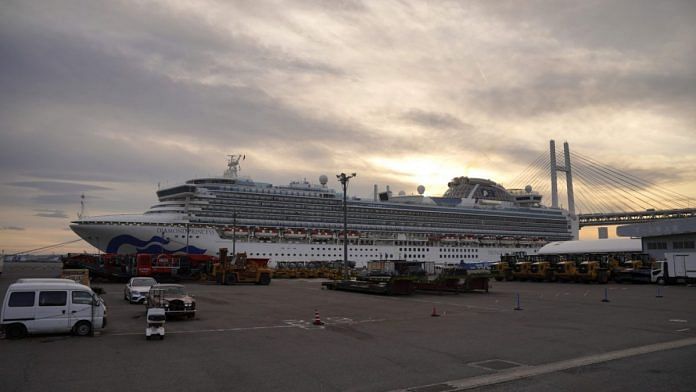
{"x":616,"y":200}
{"x":530,"y":173}
{"x":638,"y":188}
{"x":606,"y":174}
{"x":629,"y":178}
{"x":529,"y":167}
{"x":603,"y":188}
{"x":640,"y":180}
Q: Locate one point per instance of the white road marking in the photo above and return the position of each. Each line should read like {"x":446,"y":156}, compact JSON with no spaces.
{"x":481,"y":364}
{"x":532,"y":371}
{"x":205,"y":330}
{"x":677,"y":321}
{"x":452,"y":304}
{"x":683,"y":330}
{"x":302,"y":324}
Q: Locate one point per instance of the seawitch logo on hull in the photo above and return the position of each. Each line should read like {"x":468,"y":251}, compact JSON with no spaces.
{"x":154,"y":245}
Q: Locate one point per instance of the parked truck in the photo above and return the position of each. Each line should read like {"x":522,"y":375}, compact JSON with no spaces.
{"x":676,"y":268}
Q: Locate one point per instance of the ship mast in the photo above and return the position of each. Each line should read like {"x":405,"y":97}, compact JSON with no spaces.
{"x":233,"y":166}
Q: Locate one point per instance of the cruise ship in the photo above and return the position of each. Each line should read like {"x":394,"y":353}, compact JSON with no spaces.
{"x":476,"y":220}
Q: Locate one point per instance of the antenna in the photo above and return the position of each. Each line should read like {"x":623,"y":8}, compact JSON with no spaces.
{"x":82,"y":207}
{"x":233,"y":166}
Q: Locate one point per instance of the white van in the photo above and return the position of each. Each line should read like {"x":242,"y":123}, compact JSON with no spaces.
{"x":51,"y":306}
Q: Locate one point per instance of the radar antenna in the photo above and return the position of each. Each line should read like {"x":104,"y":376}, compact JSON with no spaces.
{"x":233,"y":166}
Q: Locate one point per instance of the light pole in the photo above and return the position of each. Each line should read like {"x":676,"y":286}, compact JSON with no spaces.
{"x":234,"y":234}
{"x":343,"y":178}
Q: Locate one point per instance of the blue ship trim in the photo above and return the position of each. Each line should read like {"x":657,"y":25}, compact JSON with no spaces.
{"x":154,"y":245}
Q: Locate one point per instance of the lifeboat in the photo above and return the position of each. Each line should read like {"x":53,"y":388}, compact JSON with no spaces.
{"x":239,"y":231}
{"x":321,"y":235}
{"x":294,"y":234}
{"x":526,"y":241}
{"x":265,"y":232}
{"x":470,"y":239}
{"x":449,"y":238}
{"x":352,"y":235}
{"x":488,"y":240}
{"x":434,"y":238}
{"x":508,"y":241}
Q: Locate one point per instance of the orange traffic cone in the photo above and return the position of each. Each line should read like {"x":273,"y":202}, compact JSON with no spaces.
{"x":435,"y":313}
{"x":317,"y":320}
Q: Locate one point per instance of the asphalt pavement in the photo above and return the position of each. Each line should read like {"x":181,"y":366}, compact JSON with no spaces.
{"x":261,"y":338}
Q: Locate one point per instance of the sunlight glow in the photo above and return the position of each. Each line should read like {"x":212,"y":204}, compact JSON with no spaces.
{"x":432,"y":172}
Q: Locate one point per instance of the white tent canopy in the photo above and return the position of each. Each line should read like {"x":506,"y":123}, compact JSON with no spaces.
{"x":613,"y":245}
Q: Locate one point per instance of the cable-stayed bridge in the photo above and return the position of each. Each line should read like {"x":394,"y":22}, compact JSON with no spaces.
{"x":600,"y":194}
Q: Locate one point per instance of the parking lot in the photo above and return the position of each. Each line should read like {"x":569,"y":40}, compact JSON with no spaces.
{"x":253,"y":338}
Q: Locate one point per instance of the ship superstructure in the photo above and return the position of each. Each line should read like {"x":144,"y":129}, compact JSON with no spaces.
{"x":475,"y":220}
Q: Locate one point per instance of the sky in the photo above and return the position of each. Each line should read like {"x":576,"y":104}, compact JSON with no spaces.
{"x":110,"y":99}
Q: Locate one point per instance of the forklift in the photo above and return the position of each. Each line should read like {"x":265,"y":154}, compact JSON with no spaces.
{"x":240,"y":270}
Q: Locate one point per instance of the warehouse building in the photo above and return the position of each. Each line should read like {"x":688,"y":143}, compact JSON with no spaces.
{"x":660,"y":237}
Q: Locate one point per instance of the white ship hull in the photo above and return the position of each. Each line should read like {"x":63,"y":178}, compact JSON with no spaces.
{"x":130,"y":239}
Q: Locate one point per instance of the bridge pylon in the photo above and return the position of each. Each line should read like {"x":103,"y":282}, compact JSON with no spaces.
{"x":566,"y":168}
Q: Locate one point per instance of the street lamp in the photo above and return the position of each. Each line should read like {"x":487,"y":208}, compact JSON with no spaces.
{"x":343,"y":178}
{"x":234,"y":234}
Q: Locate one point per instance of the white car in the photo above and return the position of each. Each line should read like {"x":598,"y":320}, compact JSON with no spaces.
{"x":137,"y":288}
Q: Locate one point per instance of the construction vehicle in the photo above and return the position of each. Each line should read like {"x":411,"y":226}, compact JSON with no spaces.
{"x":522,"y":270}
{"x":541,"y":271}
{"x":456,"y":278}
{"x":566,"y":271}
{"x":637,"y":268}
{"x":283,"y":271}
{"x":503,"y":269}
{"x":591,"y":271}
{"x":240,"y":270}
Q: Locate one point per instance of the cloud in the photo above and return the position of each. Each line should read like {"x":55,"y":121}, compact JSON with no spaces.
{"x":13,"y":228}
{"x":57,"y":199}
{"x":434,"y":120}
{"x":55,"y":186}
{"x":51,"y":213}
{"x":112,"y":98}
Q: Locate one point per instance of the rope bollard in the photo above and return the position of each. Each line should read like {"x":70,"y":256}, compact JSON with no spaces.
{"x":606,"y":295}
{"x":518,"y":307}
